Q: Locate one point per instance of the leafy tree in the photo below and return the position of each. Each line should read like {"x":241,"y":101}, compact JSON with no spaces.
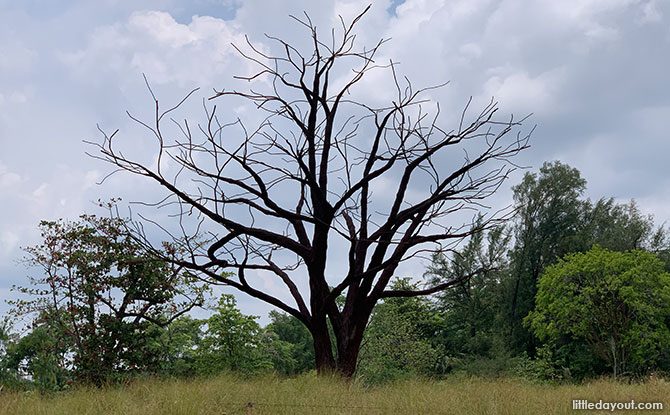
{"x":622,"y":227}
{"x":9,"y":369}
{"x":471,"y":309}
{"x":176,"y":346}
{"x":41,"y":356}
{"x":232,"y":341}
{"x":549,"y":212}
{"x":397,"y":340}
{"x":279,"y":352}
{"x":290,"y":330}
{"x":619,"y":227}
{"x":100,"y":292}
{"x":618,"y":303}
{"x":276,"y":197}
{"x":553,"y":220}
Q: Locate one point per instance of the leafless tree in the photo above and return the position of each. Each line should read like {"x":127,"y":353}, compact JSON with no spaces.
{"x":305,"y":178}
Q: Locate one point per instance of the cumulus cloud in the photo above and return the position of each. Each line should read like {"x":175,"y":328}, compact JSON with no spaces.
{"x":155,"y":43}
{"x":522,"y":94}
{"x":592,"y":71}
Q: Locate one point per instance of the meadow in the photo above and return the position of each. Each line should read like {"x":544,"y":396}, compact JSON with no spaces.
{"x":308,"y":394}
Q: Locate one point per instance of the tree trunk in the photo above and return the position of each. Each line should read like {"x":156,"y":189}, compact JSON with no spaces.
{"x":347,"y":358}
{"x":614,"y":357}
{"x":323,"y":349}
{"x":348,"y":347}
{"x":349,"y":344}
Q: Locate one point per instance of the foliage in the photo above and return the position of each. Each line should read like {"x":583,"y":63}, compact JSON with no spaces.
{"x":7,"y":376}
{"x":548,"y":220}
{"x":396,"y":343}
{"x":10,"y":358}
{"x":104,"y":309}
{"x":617,"y":302}
{"x":543,"y":368}
{"x":619,"y":227}
{"x":40,"y":355}
{"x":471,"y":309}
{"x":293,"y":335}
{"x":176,"y":346}
{"x":552,"y":221}
{"x":99,"y":292}
{"x":231,"y":341}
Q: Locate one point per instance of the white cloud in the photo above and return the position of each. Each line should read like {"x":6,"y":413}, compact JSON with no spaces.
{"x":522,"y":94}
{"x":593,"y":71}
{"x":8,"y":243}
{"x":41,"y":191}
{"x":167,"y":51}
{"x":650,"y":13}
{"x":91,"y":178}
{"x":8,"y":179}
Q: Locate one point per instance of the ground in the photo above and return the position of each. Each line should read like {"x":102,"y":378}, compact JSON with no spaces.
{"x":228,"y":394}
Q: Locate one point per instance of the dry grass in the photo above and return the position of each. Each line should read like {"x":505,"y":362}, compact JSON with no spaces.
{"x":311,"y":395}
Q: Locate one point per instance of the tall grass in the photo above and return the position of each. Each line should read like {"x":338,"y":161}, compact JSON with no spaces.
{"x":310,"y":395}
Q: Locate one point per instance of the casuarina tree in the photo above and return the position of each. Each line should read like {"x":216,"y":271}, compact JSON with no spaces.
{"x":325,"y":184}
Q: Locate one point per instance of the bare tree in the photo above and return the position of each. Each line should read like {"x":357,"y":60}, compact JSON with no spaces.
{"x":305,"y":178}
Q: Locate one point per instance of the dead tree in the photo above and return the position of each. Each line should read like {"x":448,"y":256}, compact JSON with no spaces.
{"x":305,"y":178}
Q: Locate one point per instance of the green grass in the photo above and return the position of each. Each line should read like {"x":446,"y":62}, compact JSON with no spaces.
{"x":311,"y":395}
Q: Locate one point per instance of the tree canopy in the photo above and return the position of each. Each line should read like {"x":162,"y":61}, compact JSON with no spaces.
{"x":618,"y":302}
{"x":95,"y":293}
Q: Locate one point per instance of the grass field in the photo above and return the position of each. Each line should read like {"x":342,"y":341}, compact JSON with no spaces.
{"x":311,"y":395}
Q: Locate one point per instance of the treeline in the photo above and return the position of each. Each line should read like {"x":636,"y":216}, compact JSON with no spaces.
{"x":571,"y":288}
{"x":101,"y":310}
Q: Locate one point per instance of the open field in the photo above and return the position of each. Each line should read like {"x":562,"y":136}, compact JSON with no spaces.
{"x":309,"y":395}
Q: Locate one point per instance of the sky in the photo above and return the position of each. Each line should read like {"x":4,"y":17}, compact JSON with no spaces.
{"x":592,"y":72}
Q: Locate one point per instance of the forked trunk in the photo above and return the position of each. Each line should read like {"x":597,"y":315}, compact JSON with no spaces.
{"x":348,"y":348}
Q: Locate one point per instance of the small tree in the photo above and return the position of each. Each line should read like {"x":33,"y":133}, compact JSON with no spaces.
{"x":99,"y":291}
{"x":397,"y":340}
{"x":276,"y":198}
{"x":40,"y":356}
{"x":232,"y":341}
{"x":617,"y":302}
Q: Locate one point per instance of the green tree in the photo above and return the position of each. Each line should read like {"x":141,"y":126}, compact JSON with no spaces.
{"x":618,"y":303}
{"x":622,"y":227}
{"x":176,"y":346}
{"x":290,"y":330}
{"x":470,"y":309}
{"x":232,"y":341}
{"x":397,"y":340}
{"x":100,"y":291}
{"x":9,"y":372}
{"x":549,"y":213}
{"x":41,"y":356}
{"x":279,"y":352}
